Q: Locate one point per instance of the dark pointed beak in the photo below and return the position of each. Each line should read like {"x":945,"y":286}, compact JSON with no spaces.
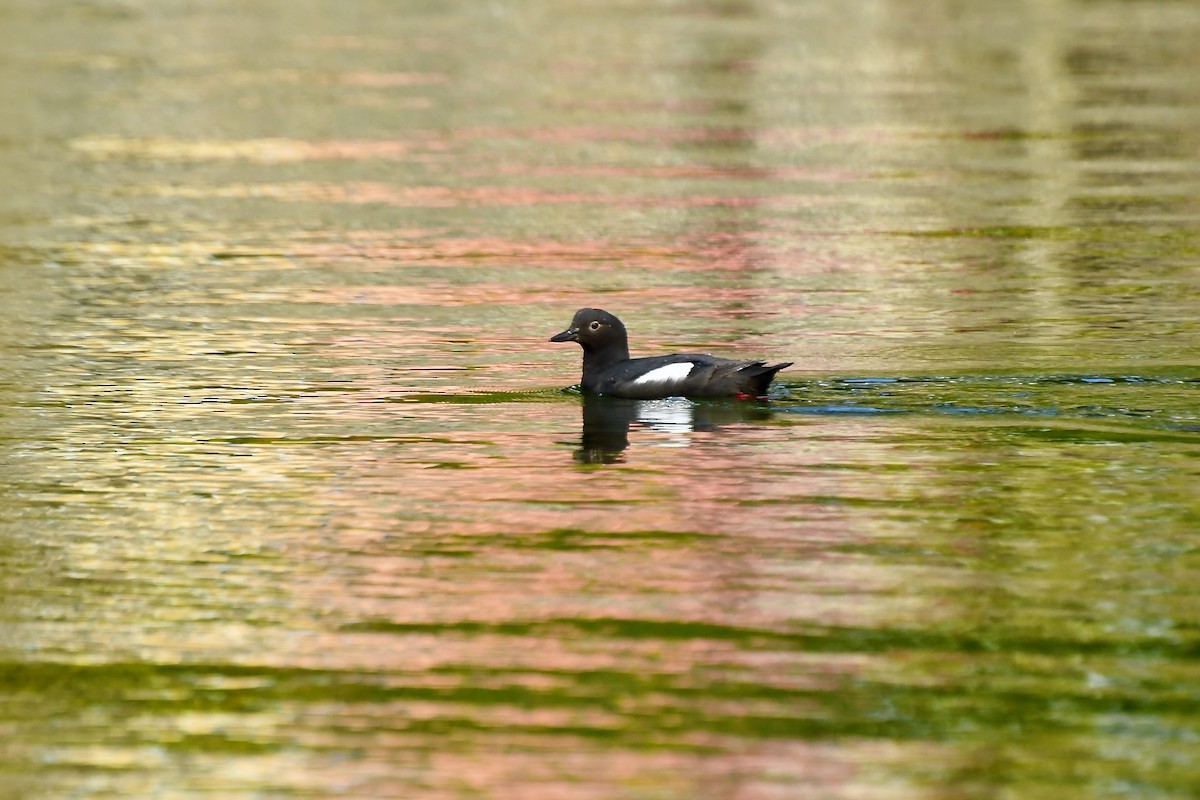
{"x":569,"y":335}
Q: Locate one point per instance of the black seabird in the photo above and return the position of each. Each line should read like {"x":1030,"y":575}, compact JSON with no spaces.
{"x":608,"y":369}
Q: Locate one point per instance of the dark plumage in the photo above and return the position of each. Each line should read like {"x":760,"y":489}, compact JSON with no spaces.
{"x":608,"y":369}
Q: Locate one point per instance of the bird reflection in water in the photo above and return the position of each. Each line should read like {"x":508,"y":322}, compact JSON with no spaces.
{"x":607,"y":422}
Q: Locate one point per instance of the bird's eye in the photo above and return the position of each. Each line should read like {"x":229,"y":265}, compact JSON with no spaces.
{"x":595,"y":326}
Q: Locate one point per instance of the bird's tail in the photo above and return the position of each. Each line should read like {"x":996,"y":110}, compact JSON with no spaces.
{"x":758,"y":376}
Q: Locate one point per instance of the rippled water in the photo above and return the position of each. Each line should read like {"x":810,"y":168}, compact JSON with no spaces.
{"x":297,"y":500}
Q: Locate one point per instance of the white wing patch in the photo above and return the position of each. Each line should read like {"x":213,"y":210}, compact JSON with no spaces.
{"x":671,"y":373}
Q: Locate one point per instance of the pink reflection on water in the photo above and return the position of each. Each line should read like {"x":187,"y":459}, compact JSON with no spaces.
{"x":686,"y":135}
{"x":478,"y":196}
{"x":403,"y":764}
{"x":439,"y":526}
{"x":391,"y":249}
{"x":378,"y":80}
{"x":448,"y":295}
{"x":584,"y":133}
{"x":698,"y":251}
{"x":365,"y":78}
{"x":274,"y":150}
{"x":499,"y":557}
{"x":686,"y":105}
{"x":695,"y":171}
{"x":509,"y":764}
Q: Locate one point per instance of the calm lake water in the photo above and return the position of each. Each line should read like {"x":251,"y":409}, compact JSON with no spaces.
{"x":296,"y":500}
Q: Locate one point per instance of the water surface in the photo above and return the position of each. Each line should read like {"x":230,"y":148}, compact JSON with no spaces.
{"x":296,"y":499}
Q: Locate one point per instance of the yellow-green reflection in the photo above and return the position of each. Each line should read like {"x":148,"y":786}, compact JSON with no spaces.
{"x":293,"y":500}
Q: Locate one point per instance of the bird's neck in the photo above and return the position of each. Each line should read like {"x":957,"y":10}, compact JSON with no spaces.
{"x":595,"y":361}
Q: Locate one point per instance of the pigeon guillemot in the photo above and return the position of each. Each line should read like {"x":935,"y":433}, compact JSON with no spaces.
{"x":608,"y":369}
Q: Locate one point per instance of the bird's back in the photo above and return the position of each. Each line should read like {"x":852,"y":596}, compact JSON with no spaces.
{"x":684,"y":374}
